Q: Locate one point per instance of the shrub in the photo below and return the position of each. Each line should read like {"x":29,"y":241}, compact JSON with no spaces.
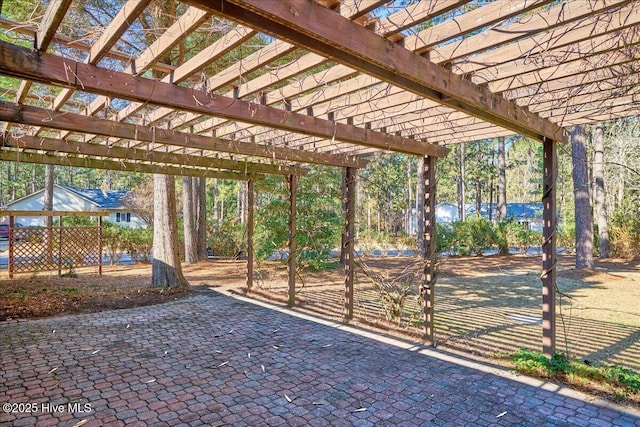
{"x":624,"y":231}
{"x":225,"y":239}
{"x":567,"y":238}
{"x":112,"y":241}
{"x":138,"y":242}
{"x":622,"y":381}
{"x":445,"y":239}
{"x":510,"y":233}
{"x":473,"y":236}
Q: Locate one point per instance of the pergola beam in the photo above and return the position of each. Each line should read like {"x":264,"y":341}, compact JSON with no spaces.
{"x":304,"y":24}
{"x":132,"y":154}
{"x":123,"y":19}
{"x":20,"y":62}
{"x":120,"y":165}
{"x":36,"y":116}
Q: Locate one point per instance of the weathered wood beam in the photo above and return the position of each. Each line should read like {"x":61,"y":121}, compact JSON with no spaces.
{"x":56,"y":10}
{"x":576,"y":67}
{"x":120,"y":165}
{"x":118,"y":25}
{"x":188,"y":22}
{"x":36,"y":116}
{"x":416,"y":13}
{"x":78,"y":45}
{"x":563,"y":93}
{"x":20,"y":62}
{"x":487,"y":14}
{"x":133,"y":154}
{"x":611,"y":76}
{"x":211,"y":53}
{"x":355,"y":8}
{"x":47,"y":28}
{"x":303,"y":23}
{"x":293,"y":68}
{"x":596,"y":33}
{"x":543,"y":21}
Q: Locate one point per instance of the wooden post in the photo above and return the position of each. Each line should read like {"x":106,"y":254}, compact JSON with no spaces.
{"x":550,"y":165}
{"x":11,"y":249}
{"x":100,"y":245}
{"x":250,"y":205}
{"x":349,"y":204}
{"x":292,"y":182}
{"x":59,"y":244}
{"x":429,"y":246}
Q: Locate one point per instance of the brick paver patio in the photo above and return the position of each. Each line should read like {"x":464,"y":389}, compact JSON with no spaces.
{"x":215,"y":360}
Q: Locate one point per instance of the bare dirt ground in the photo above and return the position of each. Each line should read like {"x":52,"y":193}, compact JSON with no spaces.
{"x":488,"y":307}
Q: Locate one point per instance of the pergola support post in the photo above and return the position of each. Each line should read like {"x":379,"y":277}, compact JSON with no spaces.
{"x":428,"y":250}
{"x":99,"y":245}
{"x":349,"y":204}
{"x":549,"y":216}
{"x":11,"y":265}
{"x":292,"y":181}
{"x":250,"y":207}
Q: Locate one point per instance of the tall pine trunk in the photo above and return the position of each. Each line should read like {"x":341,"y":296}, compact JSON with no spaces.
{"x":584,"y":219}
{"x":166,"y":270}
{"x":599,"y":196}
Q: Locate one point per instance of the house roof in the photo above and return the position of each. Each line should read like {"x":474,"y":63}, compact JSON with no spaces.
{"x":109,"y":199}
{"x":519,"y":211}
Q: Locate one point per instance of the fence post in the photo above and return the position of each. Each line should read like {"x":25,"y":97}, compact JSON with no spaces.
{"x":100,"y":245}
{"x":59,"y":244}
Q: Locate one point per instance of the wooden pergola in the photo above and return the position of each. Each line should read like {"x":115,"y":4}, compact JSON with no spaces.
{"x":318,"y":82}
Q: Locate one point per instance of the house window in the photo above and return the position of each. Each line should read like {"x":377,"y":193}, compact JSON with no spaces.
{"x":123,"y":217}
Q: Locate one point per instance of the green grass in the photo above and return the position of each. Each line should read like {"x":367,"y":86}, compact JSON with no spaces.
{"x":620,"y":381}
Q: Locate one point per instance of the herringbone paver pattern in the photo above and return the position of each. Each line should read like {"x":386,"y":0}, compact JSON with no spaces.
{"x":214,"y":360}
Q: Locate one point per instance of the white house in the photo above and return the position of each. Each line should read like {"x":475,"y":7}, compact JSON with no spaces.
{"x":72,"y":199}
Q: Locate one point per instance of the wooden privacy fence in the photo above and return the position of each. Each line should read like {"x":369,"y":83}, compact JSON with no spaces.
{"x":60,"y":247}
